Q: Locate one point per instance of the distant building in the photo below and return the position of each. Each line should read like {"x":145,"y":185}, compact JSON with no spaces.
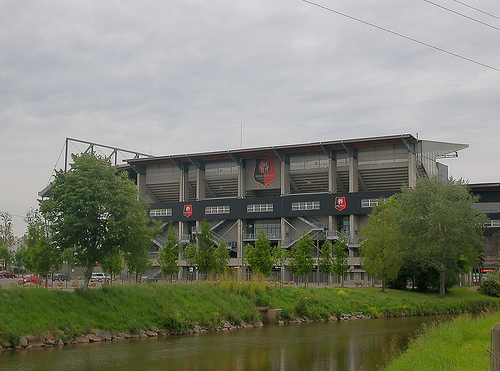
{"x":489,"y":204}
{"x":323,"y":189}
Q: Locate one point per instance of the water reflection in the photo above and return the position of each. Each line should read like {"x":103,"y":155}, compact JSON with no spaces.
{"x":346,"y":345}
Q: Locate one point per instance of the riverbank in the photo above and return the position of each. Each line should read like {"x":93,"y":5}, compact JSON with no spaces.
{"x":460,"y":345}
{"x":31,"y":316}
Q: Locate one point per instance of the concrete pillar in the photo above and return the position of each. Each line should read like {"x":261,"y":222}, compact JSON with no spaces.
{"x":285,"y":178}
{"x":141,"y":185}
{"x":183,"y":185}
{"x":412,"y":170}
{"x":332,"y":176}
{"x":200,"y":184}
{"x":353,"y":174}
{"x":239,"y":249}
{"x":241,"y":181}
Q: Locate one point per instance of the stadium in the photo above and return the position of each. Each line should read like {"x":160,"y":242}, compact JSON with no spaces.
{"x":324,"y":189}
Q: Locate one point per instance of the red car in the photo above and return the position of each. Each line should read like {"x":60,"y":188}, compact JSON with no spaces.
{"x":7,"y":274}
{"x":30,"y":278}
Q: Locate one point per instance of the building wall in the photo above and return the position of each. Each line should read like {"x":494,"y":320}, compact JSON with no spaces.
{"x":319,"y":189}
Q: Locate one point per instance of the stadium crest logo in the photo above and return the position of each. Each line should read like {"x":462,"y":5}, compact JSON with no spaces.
{"x":187,"y":211}
{"x":264,"y":172}
{"x":340,"y":203}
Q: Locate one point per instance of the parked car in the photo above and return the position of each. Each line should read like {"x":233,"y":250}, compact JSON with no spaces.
{"x":30,"y":278}
{"x":99,"y":277}
{"x":7,"y":274}
{"x":61,"y":277}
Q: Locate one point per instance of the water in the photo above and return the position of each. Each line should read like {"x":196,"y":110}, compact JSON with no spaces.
{"x":345,"y":345}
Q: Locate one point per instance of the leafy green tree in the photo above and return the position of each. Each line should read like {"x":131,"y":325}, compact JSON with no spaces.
{"x":442,"y":228}
{"x":5,"y":256}
{"x":340,"y":265}
{"x":113,"y":264}
{"x":41,"y":256}
{"x":137,"y":261}
{"x":6,"y":239}
{"x":221,"y":258}
{"x":19,"y":258}
{"x":381,"y":247}
{"x":168,"y":255}
{"x":259,"y":255}
{"x":6,"y":233}
{"x":202,"y":255}
{"x":95,"y":210}
{"x":301,"y":259}
{"x":280,"y":257}
{"x":326,"y":259}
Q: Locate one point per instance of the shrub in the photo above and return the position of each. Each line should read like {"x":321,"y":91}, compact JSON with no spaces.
{"x":491,"y":288}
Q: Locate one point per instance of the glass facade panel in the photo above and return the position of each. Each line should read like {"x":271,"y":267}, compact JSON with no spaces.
{"x":213,"y":210}
{"x":299,"y":206}
{"x":260,"y":208}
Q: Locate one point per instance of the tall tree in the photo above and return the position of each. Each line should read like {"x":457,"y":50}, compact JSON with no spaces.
{"x":280,"y":257}
{"x":113,"y":264}
{"x":41,"y":256}
{"x":221,"y":258}
{"x":326,"y":260}
{"x":202,"y":255}
{"x":380,"y":249}
{"x":168,"y":255}
{"x":340,"y":263}
{"x":6,"y":233}
{"x":301,"y":259}
{"x":95,"y":209}
{"x":441,"y":226}
{"x":259,"y":256}
{"x":6,"y":239}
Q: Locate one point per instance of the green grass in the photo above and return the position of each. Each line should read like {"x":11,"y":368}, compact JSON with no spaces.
{"x":179,"y":307}
{"x":462,"y":344}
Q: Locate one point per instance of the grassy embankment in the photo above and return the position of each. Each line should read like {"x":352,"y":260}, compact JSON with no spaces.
{"x":179,"y":307}
{"x":461,"y":344}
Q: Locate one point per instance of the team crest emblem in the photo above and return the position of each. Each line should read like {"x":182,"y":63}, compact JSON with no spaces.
{"x":340,"y":203}
{"x":264,"y":172}
{"x":187,"y":211}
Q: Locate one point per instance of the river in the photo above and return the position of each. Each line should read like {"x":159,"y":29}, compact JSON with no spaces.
{"x":344,"y":345}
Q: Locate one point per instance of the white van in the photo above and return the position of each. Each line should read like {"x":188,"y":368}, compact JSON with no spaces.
{"x":100,"y":277}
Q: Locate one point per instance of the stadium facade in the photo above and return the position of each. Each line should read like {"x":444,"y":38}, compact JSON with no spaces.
{"x":489,"y":204}
{"x":322,"y":189}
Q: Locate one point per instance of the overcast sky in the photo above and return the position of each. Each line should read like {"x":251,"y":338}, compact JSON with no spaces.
{"x":172,"y":77}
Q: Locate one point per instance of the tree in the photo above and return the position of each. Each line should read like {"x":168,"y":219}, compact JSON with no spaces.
{"x":259,"y":256}
{"x":168,"y":255}
{"x":113,"y":264}
{"x":301,"y":259}
{"x":6,"y":233}
{"x":280,"y":257}
{"x":202,"y":255}
{"x":380,"y":249}
{"x":41,"y":256}
{"x":326,"y":260}
{"x":442,"y":228}
{"x":95,"y":210}
{"x":221,"y":258}
{"x":6,"y":239}
{"x":340,"y":264}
